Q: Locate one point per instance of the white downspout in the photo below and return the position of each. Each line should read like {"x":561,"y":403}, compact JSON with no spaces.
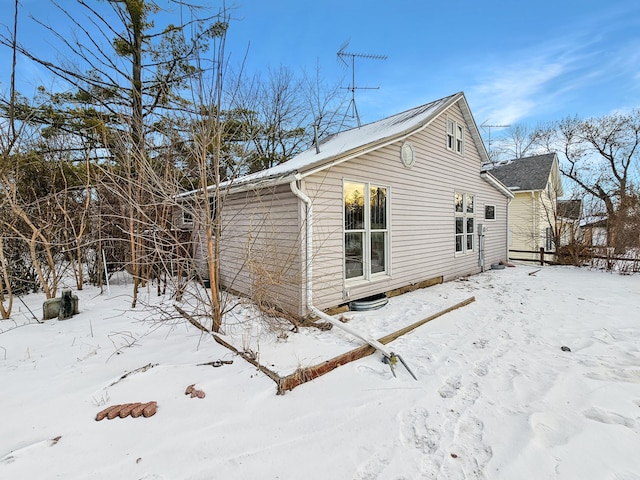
{"x":309,"y":278}
{"x":534,"y":214}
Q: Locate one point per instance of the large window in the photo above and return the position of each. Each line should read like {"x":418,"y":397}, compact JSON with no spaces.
{"x":366,"y":230}
{"x":464,"y":222}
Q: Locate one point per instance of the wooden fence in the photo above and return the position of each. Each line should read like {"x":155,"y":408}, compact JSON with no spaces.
{"x":538,"y":256}
{"x":542,"y":257}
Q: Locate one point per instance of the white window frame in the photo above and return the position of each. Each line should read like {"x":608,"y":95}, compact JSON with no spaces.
{"x":451,"y":134}
{"x":467,"y":217}
{"x":459,"y":138}
{"x":367,"y":275}
{"x":488,"y":219}
{"x":455,"y":136}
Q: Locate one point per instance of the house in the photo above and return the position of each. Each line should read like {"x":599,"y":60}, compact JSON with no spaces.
{"x":568,"y":215}
{"x":593,"y":230}
{"x":536,"y":185}
{"x":390,"y":204}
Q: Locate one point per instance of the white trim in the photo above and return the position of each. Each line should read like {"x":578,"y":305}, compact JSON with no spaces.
{"x":455,"y":137}
{"x":497,"y":184}
{"x":366,"y":232}
{"x":465,"y":215}
{"x":185,"y":220}
{"x":494,"y":212}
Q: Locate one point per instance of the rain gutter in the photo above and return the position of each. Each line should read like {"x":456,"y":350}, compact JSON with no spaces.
{"x":309,"y":277}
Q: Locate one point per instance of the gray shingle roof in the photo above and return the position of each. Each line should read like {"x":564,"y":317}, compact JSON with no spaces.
{"x":524,"y":174}
{"x":570,"y":209}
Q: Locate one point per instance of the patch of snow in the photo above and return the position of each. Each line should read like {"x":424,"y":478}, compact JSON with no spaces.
{"x":496,"y":396}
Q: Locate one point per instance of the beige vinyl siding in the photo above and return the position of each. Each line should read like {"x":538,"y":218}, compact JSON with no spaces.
{"x":260,"y":247}
{"x":531,"y":213}
{"x":422,"y":213}
{"x":522,"y":223}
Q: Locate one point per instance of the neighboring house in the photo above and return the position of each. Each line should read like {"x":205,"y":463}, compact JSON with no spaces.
{"x":568,"y":215}
{"x":536,"y":185}
{"x":593,"y":230}
{"x":383,"y":206}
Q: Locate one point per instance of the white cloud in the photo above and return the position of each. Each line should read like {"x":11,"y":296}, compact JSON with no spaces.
{"x":542,"y":80}
{"x":511,"y":93}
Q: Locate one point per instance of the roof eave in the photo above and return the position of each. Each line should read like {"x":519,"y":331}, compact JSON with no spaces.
{"x":497,"y":184}
{"x":333,"y":160}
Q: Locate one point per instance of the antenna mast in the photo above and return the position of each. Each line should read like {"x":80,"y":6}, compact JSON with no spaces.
{"x":487,"y":128}
{"x":344,"y":56}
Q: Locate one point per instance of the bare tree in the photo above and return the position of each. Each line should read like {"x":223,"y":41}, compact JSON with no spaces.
{"x":125,"y":73}
{"x":517,"y":142}
{"x":601,"y":155}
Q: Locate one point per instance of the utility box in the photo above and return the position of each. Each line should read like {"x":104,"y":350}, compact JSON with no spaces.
{"x":64,"y":307}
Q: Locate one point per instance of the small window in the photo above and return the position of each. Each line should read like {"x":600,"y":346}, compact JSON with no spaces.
{"x":548,"y":240}
{"x":455,"y":136}
{"x":489,"y":212}
{"x":451,"y":134}
{"x":459,"y":139}
{"x":187,"y":216}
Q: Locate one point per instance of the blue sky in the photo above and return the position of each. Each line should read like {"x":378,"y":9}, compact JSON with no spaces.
{"x":518,"y":62}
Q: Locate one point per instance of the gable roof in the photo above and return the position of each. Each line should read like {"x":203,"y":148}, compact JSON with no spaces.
{"x":355,"y":141}
{"x":350,"y":143}
{"x":524,"y":174}
{"x":569,"y":209}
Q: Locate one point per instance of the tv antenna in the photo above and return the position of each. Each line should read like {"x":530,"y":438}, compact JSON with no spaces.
{"x":487,"y":128}
{"x":344,"y":57}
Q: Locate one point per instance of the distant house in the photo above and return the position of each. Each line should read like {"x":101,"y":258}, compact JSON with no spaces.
{"x":536,"y":185}
{"x":593,"y":230}
{"x":390,"y":204}
{"x":568,"y":216}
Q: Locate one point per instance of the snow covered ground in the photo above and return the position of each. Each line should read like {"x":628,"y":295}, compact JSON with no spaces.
{"x":496,"y":396}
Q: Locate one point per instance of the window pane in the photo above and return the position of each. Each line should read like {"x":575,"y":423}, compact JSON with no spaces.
{"x":469,"y":242}
{"x":459,"y":202}
{"x":459,"y":226}
{"x":353,"y":206}
{"x":353,"y":255}
{"x":378,"y":201}
{"x":470,"y":200}
{"x":490,"y":212}
{"x":378,"y":263}
{"x":458,"y":243}
{"x":470,"y":225}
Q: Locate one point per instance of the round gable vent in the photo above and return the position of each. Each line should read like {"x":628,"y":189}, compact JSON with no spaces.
{"x":407,"y":155}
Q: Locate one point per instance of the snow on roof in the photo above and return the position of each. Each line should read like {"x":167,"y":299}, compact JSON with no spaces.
{"x":350,"y":142}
